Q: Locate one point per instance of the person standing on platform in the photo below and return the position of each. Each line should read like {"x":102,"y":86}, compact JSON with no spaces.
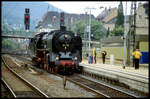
{"x":136,"y":54}
{"x":133,"y":59}
{"x":94,"y":55}
{"x":103,"y":56}
{"x":87,"y":55}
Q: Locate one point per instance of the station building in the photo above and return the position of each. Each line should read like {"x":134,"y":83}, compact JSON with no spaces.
{"x":115,"y":45}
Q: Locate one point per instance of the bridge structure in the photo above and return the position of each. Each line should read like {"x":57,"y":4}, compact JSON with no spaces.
{"x":13,"y":36}
{"x":20,"y":42}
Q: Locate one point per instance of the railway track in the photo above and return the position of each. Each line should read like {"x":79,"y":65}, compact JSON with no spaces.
{"x":90,"y":89}
{"x":101,"y":90}
{"x":17,"y":85}
{"x":4,"y":91}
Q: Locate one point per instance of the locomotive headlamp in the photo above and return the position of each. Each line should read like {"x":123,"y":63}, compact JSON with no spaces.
{"x":67,"y":45}
{"x":57,"y":58}
{"x":63,"y":45}
{"x":75,"y":58}
{"x":66,"y":35}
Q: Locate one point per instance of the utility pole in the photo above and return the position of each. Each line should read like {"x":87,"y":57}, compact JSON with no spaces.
{"x":86,"y":30}
{"x":125,"y":33}
{"x":129,"y":34}
{"x":90,"y":29}
{"x":134,"y":41}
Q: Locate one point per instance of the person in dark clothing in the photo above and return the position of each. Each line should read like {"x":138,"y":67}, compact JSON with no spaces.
{"x":95,"y":57}
{"x":87,"y":55}
{"x":103,"y":56}
{"x":133,"y":59}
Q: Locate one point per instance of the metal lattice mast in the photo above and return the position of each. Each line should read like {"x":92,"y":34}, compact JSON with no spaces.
{"x":89,"y":29}
{"x":134,"y":24}
{"x":129,"y":34}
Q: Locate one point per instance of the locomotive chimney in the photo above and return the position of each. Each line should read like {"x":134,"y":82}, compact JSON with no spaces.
{"x":62,"y":23}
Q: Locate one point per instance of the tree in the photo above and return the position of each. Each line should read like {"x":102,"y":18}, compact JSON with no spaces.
{"x":96,"y":29}
{"x":119,"y":24}
{"x":119,"y":31}
{"x":8,"y":44}
{"x":80,"y":27}
{"x":120,"y":16}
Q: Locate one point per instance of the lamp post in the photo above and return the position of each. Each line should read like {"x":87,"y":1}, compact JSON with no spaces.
{"x":85,"y":35}
{"x":125,"y":33}
{"x":89,"y":28}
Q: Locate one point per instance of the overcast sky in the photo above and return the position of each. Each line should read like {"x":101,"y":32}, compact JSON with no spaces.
{"x":78,"y":7}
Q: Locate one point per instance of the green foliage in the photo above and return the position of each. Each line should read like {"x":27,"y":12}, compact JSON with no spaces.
{"x":8,"y":44}
{"x":7,"y":30}
{"x":119,"y":31}
{"x":96,"y":29}
{"x":119,"y":24}
{"x":120,"y":16}
{"x":80,"y":27}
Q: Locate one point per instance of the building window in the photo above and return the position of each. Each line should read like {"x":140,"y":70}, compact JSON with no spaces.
{"x":140,"y":17}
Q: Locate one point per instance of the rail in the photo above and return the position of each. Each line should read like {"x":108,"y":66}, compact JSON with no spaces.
{"x":25,"y":81}
{"x":99,"y":88}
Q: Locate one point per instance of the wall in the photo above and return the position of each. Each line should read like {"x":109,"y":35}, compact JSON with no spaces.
{"x":144,"y":46}
{"x":142,"y":21}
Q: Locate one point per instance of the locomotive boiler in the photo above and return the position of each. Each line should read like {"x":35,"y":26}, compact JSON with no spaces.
{"x":58,"y":51}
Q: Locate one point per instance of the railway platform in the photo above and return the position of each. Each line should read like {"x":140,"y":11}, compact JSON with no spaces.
{"x":137,"y":79}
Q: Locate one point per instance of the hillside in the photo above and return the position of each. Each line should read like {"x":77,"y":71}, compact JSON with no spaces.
{"x":52,"y":18}
{"x":13,"y":12}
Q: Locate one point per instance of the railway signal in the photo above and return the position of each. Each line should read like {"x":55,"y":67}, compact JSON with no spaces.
{"x":27,"y":19}
{"x":62,"y":23}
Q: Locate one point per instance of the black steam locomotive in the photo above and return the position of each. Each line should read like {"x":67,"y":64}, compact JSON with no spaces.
{"x":58,"y":51}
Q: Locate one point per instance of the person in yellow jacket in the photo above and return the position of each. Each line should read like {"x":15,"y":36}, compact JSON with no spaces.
{"x":136,"y":54}
{"x":94,"y":55}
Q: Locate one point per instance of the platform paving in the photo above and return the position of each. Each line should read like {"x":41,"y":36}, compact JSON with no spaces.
{"x":134,"y":78}
{"x":141,"y":71}
{"x":118,"y":66}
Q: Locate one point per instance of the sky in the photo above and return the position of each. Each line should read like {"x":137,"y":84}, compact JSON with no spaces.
{"x":78,"y":7}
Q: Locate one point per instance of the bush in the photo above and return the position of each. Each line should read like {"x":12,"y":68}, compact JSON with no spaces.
{"x":119,"y":31}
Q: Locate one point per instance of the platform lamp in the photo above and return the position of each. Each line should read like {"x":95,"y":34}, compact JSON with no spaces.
{"x":125,"y":33}
{"x":89,"y":29}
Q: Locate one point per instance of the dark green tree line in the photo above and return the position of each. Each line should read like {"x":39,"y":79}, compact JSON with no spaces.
{"x":119,"y":24}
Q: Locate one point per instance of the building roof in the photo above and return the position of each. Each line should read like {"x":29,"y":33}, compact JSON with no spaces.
{"x":104,"y":15}
{"x":109,"y":16}
{"x":112,"y":14}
